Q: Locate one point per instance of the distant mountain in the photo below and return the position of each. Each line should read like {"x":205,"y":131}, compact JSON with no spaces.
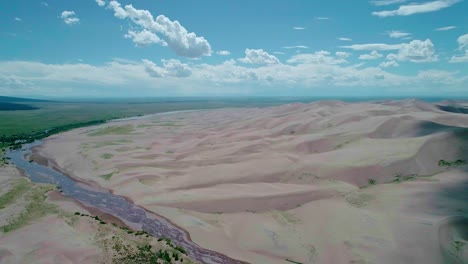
{"x":18,"y":99}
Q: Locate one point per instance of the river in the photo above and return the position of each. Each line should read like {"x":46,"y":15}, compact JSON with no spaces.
{"x":113,"y":204}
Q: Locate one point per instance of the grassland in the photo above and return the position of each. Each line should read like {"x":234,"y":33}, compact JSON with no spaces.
{"x":35,"y":208}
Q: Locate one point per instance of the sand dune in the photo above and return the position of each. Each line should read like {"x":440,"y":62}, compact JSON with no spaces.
{"x":325,"y":182}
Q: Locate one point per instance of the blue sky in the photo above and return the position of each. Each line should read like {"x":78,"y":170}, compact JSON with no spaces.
{"x":138,"y":48}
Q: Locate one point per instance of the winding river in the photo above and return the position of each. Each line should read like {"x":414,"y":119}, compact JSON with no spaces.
{"x":114,"y":205}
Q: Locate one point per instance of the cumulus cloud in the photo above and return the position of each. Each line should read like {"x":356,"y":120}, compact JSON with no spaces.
{"x":445,"y":28}
{"x":18,"y":19}
{"x":463,"y":46}
{"x":223,"y":52}
{"x":69,"y":17}
{"x":101,"y":2}
{"x":171,"y":68}
{"x":417,"y":8}
{"x":152,"y":69}
{"x":386,"y":2}
{"x":345,"y":39}
{"x":144,"y":37}
{"x":318,"y":57}
{"x":342,"y":54}
{"x":258,"y":56}
{"x":415,"y":51}
{"x":299,"y":28}
{"x":387,"y":64}
{"x":371,"y":56}
{"x":182,"y":42}
{"x":397,"y":34}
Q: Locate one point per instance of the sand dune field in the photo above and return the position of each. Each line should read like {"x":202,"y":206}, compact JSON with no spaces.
{"x":325,"y":182}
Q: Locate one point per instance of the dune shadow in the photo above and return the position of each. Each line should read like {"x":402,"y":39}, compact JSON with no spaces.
{"x":453,"y":200}
{"x":427,"y":128}
{"x":453,"y":109}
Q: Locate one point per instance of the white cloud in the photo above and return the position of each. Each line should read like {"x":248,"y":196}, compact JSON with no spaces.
{"x":373,"y":46}
{"x":120,"y":78}
{"x":415,"y":51}
{"x":299,"y":28}
{"x":101,"y":2}
{"x":18,"y":19}
{"x":152,"y":69}
{"x":144,"y":37}
{"x":296,"y":47}
{"x":342,"y":54}
{"x":176,"y":68}
{"x":398,"y":34}
{"x":322,"y":18}
{"x":458,"y":59}
{"x":417,"y":8}
{"x":279,"y":53}
{"x":182,"y":42}
{"x":462,"y":45}
{"x":69,"y":17}
{"x":463,"y":41}
{"x":386,"y":2}
{"x":387,"y":64}
{"x":223,"y":52}
{"x":259,"y":56}
{"x":171,"y":68}
{"x":371,"y":56}
{"x":345,"y":39}
{"x":44,"y":4}
{"x":445,"y":28}
{"x":318,"y":57}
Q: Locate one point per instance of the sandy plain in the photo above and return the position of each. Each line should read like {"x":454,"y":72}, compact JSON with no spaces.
{"x":325,"y":182}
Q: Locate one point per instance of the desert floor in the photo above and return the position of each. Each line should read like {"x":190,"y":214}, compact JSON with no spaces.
{"x":325,"y":182}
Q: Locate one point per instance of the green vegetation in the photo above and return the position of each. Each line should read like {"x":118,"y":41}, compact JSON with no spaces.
{"x":15,"y":141}
{"x":292,"y":261}
{"x":372,"y":182}
{"x":107,"y":156}
{"x":113,"y":130}
{"x":143,"y":253}
{"x":167,"y":124}
{"x":458,"y":162}
{"x":18,"y":189}
{"x":107,"y":176}
{"x":36,"y":207}
{"x":459,"y":245}
{"x":399,"y":178}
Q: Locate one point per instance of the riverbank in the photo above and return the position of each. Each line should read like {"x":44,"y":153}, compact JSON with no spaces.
{"x":38,"y":224}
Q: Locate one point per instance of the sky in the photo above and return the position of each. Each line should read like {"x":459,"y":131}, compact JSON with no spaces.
{"x":159,"y":48}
